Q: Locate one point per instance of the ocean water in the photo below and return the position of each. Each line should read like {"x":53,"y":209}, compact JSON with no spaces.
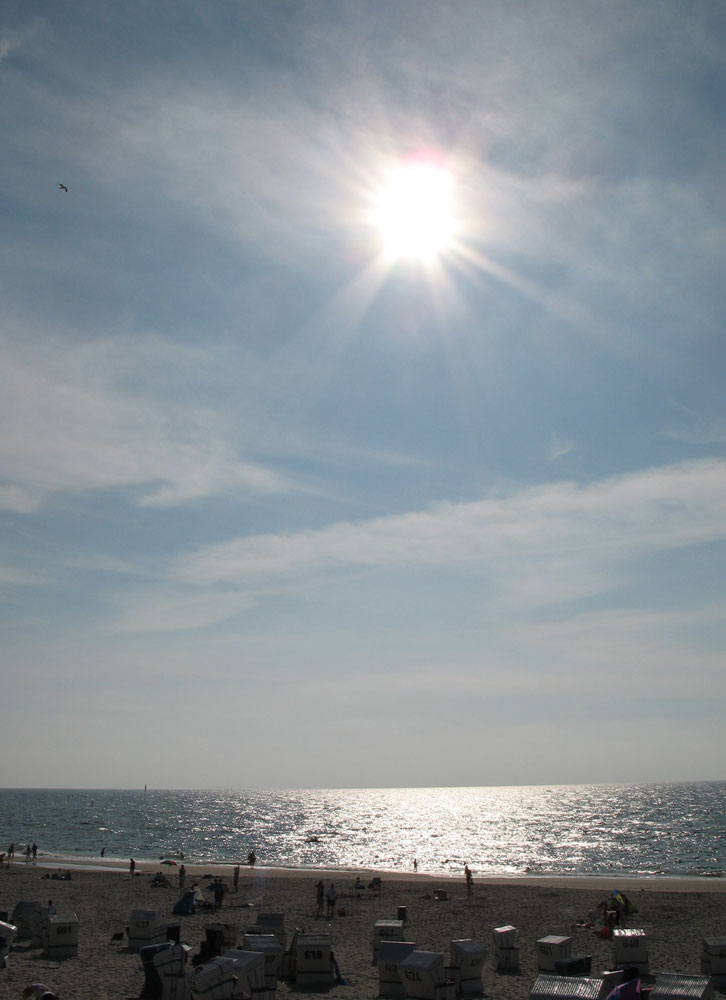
{"x":651,"y":830}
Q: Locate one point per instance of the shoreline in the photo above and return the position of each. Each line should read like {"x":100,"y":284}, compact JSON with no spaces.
{"x":197,"y":869}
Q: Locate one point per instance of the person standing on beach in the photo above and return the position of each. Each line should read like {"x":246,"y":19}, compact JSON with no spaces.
{"x":11,"y":853}
{"x":35,"y":851}
{"x":319,"y":898}
{"x":132,"y":867}
{"x":415,"y":864}
{"x":330,"y":896}
{"x":220,"y":890}
{"x":469,"y":878}
{"x":182,"y":876}
{"x":28,"y":852}
{"x":236,"y":878}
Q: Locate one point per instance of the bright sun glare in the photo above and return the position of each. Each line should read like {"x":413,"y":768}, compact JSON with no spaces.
{"x":414,"y":210}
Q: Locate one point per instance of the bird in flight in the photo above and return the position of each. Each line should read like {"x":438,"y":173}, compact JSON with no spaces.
{"x":63,"y":188}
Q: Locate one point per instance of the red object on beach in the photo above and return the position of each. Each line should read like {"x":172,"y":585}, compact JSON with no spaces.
{"x":167,"y":862}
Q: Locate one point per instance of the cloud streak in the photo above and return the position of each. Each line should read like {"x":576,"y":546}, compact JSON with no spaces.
{"x":656,"y":509}
{"x":534,"y":548}
{"x":81,"y":417}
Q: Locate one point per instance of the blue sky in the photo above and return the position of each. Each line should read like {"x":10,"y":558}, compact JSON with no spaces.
{"x":277,"y":510}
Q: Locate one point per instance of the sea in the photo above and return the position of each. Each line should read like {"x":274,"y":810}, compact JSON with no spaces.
{"x":653,"y":830}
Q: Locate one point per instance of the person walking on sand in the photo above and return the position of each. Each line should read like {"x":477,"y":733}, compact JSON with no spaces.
{"x":415,"y":864}
{"x":132,"y":867}
{"x":11,"y":853}
{"x":235,"y":878}
{"x":35,"y":851}
{"x":330,"y":896}
{"x":28,"y":852}
{"x":182,"y":876}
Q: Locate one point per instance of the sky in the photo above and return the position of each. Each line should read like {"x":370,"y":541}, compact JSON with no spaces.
{"x":281,"y":508}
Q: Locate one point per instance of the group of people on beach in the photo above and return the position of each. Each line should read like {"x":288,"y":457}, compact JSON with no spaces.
{"x":325,"y":899}
{"x":251,"y":860}
{"x":31,"y":852}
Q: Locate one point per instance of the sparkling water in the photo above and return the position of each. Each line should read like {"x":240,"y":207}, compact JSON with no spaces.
{"x":666,"y":830}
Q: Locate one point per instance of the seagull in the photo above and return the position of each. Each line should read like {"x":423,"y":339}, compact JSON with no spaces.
{"x":63,"y":188}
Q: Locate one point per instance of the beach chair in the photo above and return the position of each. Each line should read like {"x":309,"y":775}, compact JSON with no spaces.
{"x":171,"y":960}
{"x":272,"y":952}
{"x":30,"y":918}
{"x":424,"y":977}
{"x":220,"y":936}
{"x":313,"y":960}
{"x":574,"y":965}
{"x":272,"y":923}
{"x":551,"y":987}
{"x":390,"y":956}
{"x":171,"y":965}
{"x":249,"y":968}
{"x":60,"y":939}
{"x":552,"y":949}
{"x":630,"y":948}
{"x":144,"y":929}
{"x":152,"y":988}
{"x":713,"y":961}
{"x":8,"y":933}
{"x":386,"y":930}
{"x":175,"y":988}
{"x":506,"y":948}
{"x":467,"y":962}
{"x":215,"y":980}
{"x":672,"y":986}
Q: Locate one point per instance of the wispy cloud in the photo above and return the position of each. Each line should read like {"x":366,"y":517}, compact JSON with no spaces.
{"x":703,"y":434}
{"x":535,"y":547}
{"x":105,"y":415}
{"x":659,"y":508}
{"x":559,"y":447}
{"x":11,"y":40}
{"x":244,"y":164}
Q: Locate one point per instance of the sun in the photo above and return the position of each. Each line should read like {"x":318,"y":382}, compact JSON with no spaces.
{"x":413,"y":210}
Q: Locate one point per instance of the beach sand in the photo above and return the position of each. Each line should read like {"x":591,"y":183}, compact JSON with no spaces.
{"x":675,"y":915}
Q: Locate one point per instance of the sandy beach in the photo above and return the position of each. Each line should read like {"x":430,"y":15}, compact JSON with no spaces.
{"x":675,"y":915}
